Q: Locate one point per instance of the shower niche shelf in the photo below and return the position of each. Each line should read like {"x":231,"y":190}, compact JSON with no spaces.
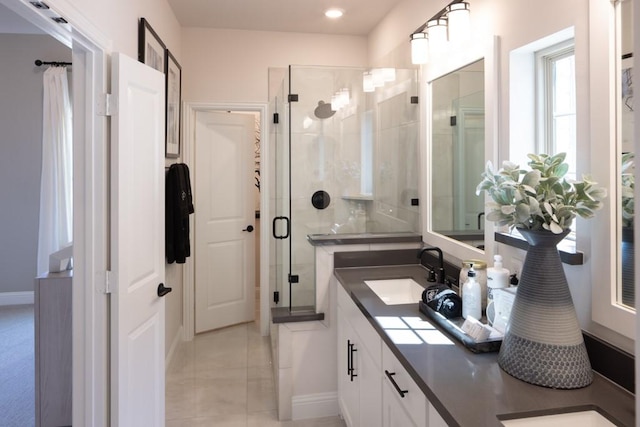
{"x":358,"y":197}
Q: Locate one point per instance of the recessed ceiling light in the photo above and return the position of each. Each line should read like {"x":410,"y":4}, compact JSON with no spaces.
{"x":333,"y":13}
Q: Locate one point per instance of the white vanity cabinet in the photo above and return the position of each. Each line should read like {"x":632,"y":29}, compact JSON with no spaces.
{"x":374,"y":389}
{"x":404,"y":403}
{"x":359,"y":354}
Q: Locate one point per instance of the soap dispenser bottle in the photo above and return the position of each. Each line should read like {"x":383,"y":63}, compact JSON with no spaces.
{"x":471,"y":296}
{"x":497,"y":277}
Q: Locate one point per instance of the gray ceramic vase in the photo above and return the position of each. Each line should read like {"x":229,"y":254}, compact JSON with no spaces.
{"x":543,"y":344}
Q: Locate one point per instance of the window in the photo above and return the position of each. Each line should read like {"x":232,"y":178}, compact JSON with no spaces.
{"x":556,"y":102}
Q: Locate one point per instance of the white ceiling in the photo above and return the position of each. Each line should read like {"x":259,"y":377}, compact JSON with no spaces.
{"x":302,"y":16}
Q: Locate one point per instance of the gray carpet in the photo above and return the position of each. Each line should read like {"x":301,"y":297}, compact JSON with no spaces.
{"x":17,"y":386}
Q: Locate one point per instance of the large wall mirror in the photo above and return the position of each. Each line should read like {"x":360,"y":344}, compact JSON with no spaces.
{"x":457,"y":152}
{"x":611,"y":133}
{"x":461,"y":109}
{"x":626,"y":176}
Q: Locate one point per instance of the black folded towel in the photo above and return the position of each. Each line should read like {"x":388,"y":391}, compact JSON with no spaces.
{"x":443,"y":300}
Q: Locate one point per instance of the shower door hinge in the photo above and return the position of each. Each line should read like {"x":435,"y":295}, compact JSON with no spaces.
{"x":294,"y":278}
{"x":276,"y":118}
{"x":105,"y":106}
{"x":293,"y":97}
{"x":414,"y":100}
{"x":276,"y":297}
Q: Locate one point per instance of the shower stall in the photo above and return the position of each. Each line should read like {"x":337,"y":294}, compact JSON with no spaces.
{"x":344,"y":161}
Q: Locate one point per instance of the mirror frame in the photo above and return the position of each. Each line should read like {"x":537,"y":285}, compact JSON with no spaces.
{"x":604,"y":21}
{"x":448,"y":62}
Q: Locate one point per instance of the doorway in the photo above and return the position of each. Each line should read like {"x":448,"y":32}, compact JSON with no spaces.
{"x":21,"y":121}
{"x":90,"y":367}
{"x":260,"y":232}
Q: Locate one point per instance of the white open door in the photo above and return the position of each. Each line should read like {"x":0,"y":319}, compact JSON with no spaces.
{"x":224,"y":220}
{"x":137,"y":244}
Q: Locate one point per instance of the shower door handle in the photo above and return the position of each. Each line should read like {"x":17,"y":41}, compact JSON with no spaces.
{"x":275,"y":221}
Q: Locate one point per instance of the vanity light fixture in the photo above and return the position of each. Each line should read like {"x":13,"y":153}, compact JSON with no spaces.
{"x":419,"y":48}
{"x":378,"y":77}
{"x":458,"y":15}
{"x":334,"y":13}
{"x":449,"y":24}
{"x":367,"y":82}
{"x":389,"y":74}
{"x":437,"y":30}
{"x":340,"y":99}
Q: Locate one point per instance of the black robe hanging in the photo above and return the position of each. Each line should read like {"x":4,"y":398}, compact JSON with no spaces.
{"x":178,"y":206}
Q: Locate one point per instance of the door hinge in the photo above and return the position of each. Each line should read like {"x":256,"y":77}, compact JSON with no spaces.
{"x":276,"y":297}
{"x":294,"y":278}
{"x":276,"y":118}
{"x":292,"y":97}
{"x":106,"y":282}
{"x":106,"y":105}
{"x":108,"y":279}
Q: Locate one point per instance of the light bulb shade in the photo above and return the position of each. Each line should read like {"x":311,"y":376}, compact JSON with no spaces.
{"x":458,"y":15}
{"x":367,"y":82}
{"x":419,"y":48}
{"x":389,"y":74}
{"x":378,"y":77}
{"x":335,"y":102}
{"x":437,"y":30}
{"x":344,"y":97}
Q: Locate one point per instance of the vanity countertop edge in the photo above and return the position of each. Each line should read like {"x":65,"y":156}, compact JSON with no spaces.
{"x":466,"y":388}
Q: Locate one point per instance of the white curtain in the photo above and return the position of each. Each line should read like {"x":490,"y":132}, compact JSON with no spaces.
{"x":56,"y":183}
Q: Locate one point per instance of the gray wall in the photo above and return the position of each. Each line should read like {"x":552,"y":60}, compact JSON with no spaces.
{"x":21,"y":155}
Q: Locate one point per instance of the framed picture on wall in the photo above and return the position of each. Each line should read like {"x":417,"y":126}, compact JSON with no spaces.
{"x":151,"y":49}
{"x":173,"y":73}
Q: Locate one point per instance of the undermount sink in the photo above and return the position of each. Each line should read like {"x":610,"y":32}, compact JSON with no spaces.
{"x":396,"y":291}
{"x":588,"y":418}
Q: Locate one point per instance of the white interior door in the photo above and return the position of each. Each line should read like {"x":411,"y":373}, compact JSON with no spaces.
{"x":224,"y":220}
{"x":137,"y":244}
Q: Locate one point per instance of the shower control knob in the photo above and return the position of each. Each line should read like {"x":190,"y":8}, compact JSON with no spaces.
{"x":249,"y":228}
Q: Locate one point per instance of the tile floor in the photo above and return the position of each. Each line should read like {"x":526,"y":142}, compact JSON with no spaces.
{"x":225,"y":378}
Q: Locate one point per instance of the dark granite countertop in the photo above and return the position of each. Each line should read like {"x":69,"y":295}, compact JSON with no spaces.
{"x":466,"y":388}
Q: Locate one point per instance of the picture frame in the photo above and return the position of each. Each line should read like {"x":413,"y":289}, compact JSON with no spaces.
{"x":173,"y":72}
{"x":151,"y":49}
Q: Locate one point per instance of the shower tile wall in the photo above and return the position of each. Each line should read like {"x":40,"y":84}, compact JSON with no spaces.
{"x":327,"y":154}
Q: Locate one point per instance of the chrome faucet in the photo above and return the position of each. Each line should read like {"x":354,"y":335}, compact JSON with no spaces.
{"x":440,"y":260}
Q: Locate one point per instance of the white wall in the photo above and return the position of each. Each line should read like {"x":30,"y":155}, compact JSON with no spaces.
{"x":517,"y":23}
{"x":232,"y":65}
{"x":117,"y":22}
{"x":21,"y":157}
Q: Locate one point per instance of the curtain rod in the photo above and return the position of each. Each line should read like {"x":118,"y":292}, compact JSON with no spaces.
{"x":53,"y":63}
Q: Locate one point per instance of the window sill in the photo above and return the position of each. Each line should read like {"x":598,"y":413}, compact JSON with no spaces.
{"x":566,"y":248}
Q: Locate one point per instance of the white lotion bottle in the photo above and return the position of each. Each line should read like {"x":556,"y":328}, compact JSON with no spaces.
{"x":471,"y":296}
{"x":497,"y":277}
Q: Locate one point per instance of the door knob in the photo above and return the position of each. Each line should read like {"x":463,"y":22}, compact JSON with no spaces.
{"x":162,"y":290}
{"x":249,"y":228}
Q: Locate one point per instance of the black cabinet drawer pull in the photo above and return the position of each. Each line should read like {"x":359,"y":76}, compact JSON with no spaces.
{"x":352,"y":348}
{"x":395,"y":384}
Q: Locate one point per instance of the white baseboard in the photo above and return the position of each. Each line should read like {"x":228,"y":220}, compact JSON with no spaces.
{"x":16,"y":298}
{"x":314,"y":406}
{"x":177,"y":339}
